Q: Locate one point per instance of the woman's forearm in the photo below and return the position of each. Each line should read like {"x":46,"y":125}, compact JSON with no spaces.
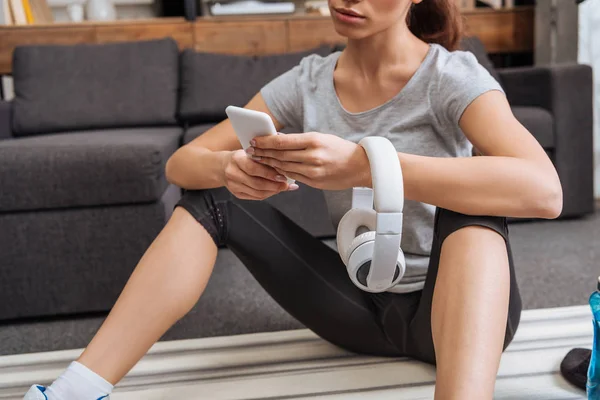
{"x":501,"y":186}
{"x":193,"y":167}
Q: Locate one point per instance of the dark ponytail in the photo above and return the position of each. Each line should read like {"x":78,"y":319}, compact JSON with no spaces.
{"x":437,"y":21}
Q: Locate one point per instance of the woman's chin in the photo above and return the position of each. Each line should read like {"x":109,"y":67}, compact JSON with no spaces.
{"x":349,"y":32}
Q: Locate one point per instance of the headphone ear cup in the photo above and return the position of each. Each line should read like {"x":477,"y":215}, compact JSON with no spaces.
{"x":401,"y":266}
{"x":349,"y":224}
{"x":355,"y":271}
{"x":361,"y":239}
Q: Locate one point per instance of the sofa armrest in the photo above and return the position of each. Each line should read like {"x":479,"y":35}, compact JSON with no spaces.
{"x":566,"y":91}
{"x":5,"y":119}
{"x":85,"y":169}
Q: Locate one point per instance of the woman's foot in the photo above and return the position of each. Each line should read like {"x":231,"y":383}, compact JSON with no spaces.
{"x":77,"y":382}
{"x":38,"y":392}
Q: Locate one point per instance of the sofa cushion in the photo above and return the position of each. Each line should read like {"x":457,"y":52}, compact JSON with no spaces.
{"x":539,"y":122}
{"x":210,"y":82}
{"x":85,"y":169}
{"x":91,"y":86}
{"x":77,"y":260}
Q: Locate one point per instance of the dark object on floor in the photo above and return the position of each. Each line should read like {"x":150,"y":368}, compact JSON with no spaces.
{"x":575,"y":365}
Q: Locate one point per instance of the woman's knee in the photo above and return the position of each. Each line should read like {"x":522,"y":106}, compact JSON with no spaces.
{"x":474,"y":249}
{"x":209,"y":208}
{"x":449,"y":222}
{"x":486,"y":238}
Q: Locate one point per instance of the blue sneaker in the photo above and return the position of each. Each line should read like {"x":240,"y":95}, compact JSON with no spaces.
{"x":36,"y":392}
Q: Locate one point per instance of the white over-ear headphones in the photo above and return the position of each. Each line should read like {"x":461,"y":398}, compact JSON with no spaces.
{"x":374,"y":259}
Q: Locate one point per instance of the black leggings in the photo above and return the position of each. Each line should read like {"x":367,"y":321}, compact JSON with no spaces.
{"x":308,"y":279}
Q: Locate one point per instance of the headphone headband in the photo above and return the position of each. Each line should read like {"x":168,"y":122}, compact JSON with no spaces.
{"x":388,"y":192}
{"x":386,"y":174}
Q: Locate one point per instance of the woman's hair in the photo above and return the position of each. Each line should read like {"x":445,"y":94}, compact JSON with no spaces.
{"x":437,"y":21}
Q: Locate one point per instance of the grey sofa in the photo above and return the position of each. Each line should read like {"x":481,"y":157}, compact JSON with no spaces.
{"x":84,"y":143}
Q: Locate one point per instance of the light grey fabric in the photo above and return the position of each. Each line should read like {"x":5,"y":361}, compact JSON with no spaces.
{"x":421,"y":119}
{"x":85,"y":168}
{"x":556,"y":261}
{"x":89,"y":86}
{"x":539,"y":122}
{"x":556,"y":265}
{"x":74,"y":261}
{"x":474,"y":45}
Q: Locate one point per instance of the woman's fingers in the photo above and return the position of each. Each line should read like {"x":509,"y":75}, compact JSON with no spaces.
{"x":248,"y":179}
{"x":291,"y":167}
{"x":255,"y":181}
{"x":244,"y":191}
{"x":283,"y":155}
{"x":256,"y":169}
{"x":259,"y":183}
{"x":290,"y":141}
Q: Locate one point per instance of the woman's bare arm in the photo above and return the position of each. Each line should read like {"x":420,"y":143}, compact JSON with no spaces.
{"x":200,"y":164}
{"x":513,"y":177}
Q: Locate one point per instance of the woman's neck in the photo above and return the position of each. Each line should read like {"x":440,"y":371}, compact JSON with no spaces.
{"x":373,"y":56}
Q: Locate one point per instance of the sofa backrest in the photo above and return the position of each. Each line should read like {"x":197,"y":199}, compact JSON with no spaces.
{"x":143,"y":83}
{"x":210,"y":82}
{"x":94,"y":86}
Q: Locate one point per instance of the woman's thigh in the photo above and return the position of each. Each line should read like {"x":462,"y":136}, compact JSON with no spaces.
{"x":418,"y":342}
{"x":303,"y":275}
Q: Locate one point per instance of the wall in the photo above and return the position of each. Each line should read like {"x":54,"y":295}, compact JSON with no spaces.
{"x":589,"y":53}
{"x":126,"y":9}
{"x":556,"y":31}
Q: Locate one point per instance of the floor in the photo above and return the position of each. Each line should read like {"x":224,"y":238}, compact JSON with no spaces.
{"x":298,"y":365}
{"x":557,"y":262}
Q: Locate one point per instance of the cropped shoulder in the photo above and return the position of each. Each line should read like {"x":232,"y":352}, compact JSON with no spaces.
{"x":460,"y":80}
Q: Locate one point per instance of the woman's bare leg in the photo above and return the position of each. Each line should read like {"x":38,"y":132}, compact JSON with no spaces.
{"x":469,"y":313}
{"x":164,"y":286}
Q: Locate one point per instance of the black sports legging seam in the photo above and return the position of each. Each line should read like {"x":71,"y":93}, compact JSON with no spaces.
{"x":295,"y":254}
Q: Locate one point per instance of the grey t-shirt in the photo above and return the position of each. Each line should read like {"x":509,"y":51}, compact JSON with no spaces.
{"x":421,"y":119}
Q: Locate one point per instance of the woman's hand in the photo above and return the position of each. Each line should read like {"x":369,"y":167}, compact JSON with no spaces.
{"x":247,"y":179}
{"x":320,"y":160}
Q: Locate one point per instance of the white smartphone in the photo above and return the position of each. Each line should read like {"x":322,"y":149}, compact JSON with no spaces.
{"x":249,"y":124}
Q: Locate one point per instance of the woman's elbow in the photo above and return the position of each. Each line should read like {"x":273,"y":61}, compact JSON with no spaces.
{"x":169,"y":170}
{"x":549,"y":200}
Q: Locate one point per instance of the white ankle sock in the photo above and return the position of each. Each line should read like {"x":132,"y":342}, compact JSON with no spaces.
{"x":78,"y":382}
